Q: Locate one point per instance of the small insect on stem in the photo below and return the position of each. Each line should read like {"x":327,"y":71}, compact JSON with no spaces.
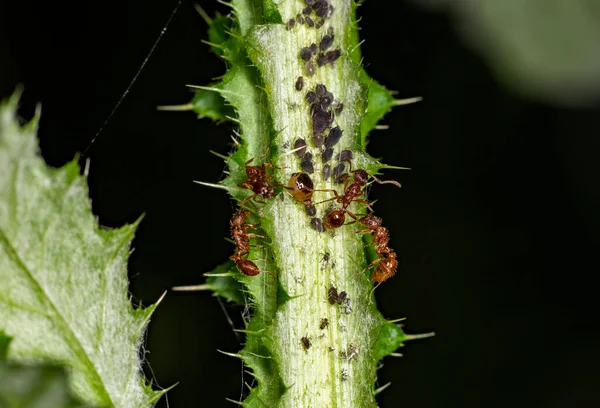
{"x":258,"y":182}
{"x":386,"y":264}
{"x":305,"y":343}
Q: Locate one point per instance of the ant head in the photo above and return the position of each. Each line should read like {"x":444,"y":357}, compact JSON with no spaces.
{"x":239,"y":217}
{"x":371,"y":221}
{"x":361,"y":177}
{"x":263,"y":189}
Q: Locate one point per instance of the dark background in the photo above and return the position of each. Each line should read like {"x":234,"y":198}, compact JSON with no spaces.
{"x":497,"y":224}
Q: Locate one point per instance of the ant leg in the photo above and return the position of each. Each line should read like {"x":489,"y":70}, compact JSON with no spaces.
{"x":372,"y":264}
{"x":335,"y":193}
{"x":387,"y":182}
{"x":373,"y":290}
{"x":256,"y":235}
{"x":253,"y":205}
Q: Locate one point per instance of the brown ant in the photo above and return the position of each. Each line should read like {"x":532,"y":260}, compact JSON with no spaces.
{"x":352,"y":192}
{"x":258,"y":181}
{"x":241,"y":236}
{"x":387,"y":263}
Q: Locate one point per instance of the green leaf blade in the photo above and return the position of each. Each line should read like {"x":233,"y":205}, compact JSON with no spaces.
{"x":64,"y":296}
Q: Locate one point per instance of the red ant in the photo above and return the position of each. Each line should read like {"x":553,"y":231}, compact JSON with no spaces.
{"x":241,"y":237}
{"x":258,"y":181}
{"x":387,"y":263}
{"x":352,"y":192}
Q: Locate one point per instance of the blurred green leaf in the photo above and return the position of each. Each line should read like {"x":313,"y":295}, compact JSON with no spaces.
{"x":546,"y":49}
{"x":39,"y":386}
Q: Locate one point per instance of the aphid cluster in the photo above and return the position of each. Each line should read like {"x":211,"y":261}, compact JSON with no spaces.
{"x":318,"y":9}
{"x":325,"y":135}
{"x":321,"y":54}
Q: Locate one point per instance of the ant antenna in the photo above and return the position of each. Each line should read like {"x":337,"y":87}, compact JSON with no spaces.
{"x":135,"y":77}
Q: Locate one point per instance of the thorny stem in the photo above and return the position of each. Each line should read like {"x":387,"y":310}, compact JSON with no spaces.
{"x":304,"y":350}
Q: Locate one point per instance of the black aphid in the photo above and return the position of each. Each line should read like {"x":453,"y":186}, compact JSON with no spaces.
{"x":334,"y":136}
{"x":318,"y":139}
{"x":326,"y":100}
{"x":300,"y":144}
{"x":309,"y":22}
{"x":313,"y":48}
{"x":321,"y":60}
{"x":311,"y":210}
{"x":332,"y":56}
{"x":311,"y":97}
{"x":338,"y":107}
{"x":326,"y":42}
{"x":342,"y":297}
{"x":320,"y":23}
{"x":299,"y":83}
{"x":305,"y":53}
{"x":327,"y":154}
{"x":309,"y":3}
{"x":307,"y":163}
{"x":324,"y":323}
{"x":320,"y":90}
{"x":332,"y":295}
{"x":326,"y":172}
{"x":309,"y":68}
{"x":305,"y":343}
{"x":321,"y":8}
{"x":317,"y":224}
{"x":338,"y":173}
{"x":300,"y":19}
{"x":291,"y":23}
{"x":321,"y":120}
{"x":306,"y":11}
{"x":345,"y":155}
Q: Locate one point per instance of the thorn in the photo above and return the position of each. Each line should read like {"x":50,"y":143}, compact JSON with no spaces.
{"x":161,"y":298}
{"x":191,"y":288}
{"x":259,"y":356}
{"x":407,"y":101}
{"x":396,"y":355}
{"x":208,"y":274}
{"x":86,"y":170}
{"x":241,"y":404}
{"x":213,"y":44}
{"x":236,"y":355}
{"x":222,"y":156}
{"x":356,"y":46}
{"x":203,"y":14}
{"x":232,"y":118}
{"x":219,"y":186}
{"x":419,"y":336}
{"x":383,"y":387}
{"x":382,"y":127}
{"x":235,"y":141}
{"x":249,"y":331}
{"x":212,"y":88}
{"x":176,"y":108}
{"x":396,"y":320}
{"x":387,"y":166}
{"x":295,"y":150}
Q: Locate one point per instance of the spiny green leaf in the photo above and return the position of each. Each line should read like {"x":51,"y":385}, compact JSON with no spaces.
{"x":211,"y":104}
{"x":380,"y":102}
{"x":64,"y":293}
